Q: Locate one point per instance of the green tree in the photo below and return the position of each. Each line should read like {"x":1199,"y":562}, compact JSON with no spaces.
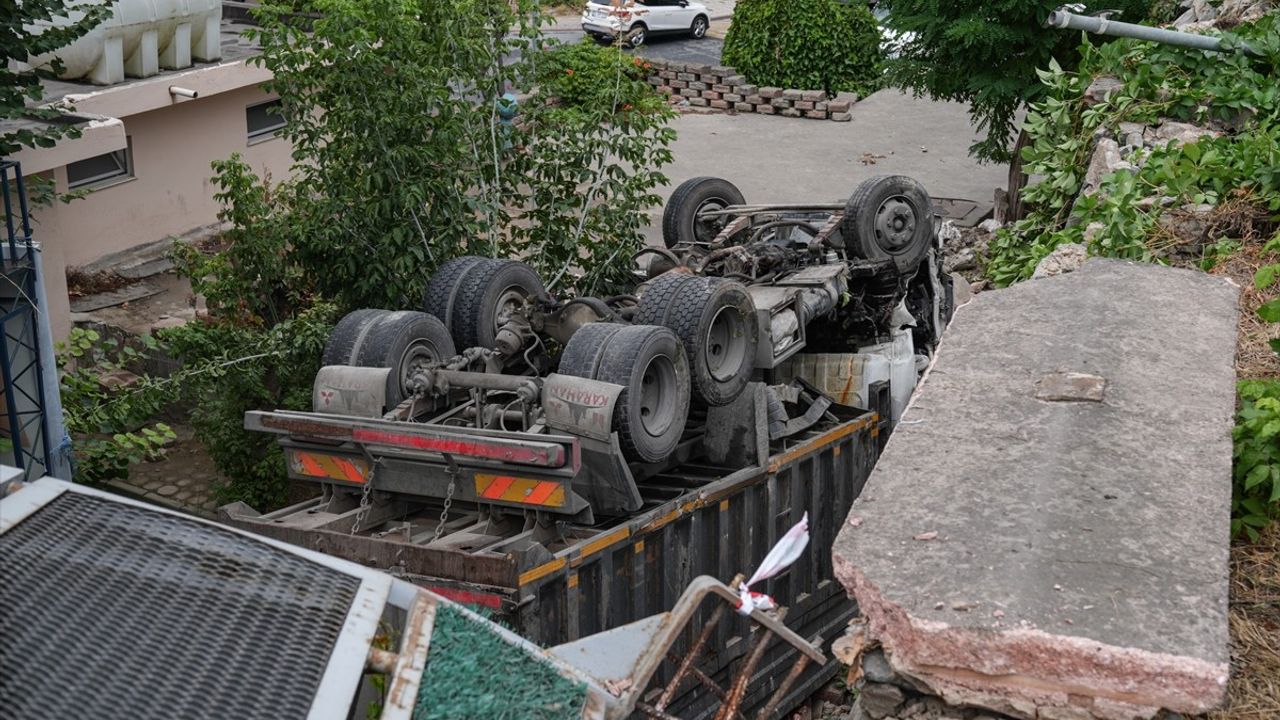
{"x":805,"y":44}
{"x":986,"y":53}
{"x":20,"y":89}
{"x":405,"y":156}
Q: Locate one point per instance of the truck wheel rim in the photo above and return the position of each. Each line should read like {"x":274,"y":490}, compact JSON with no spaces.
{"x":895,"y":224}
{"x":418,"y":356}
{"x":706,"y":228}
{"x":511,"y":300}
{"x":725,"y":346}
{"x":658,"y":396}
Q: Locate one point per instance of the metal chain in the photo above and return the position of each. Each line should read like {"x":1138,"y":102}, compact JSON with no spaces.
{"x":448,"y":499}
{"x":363,"y":512}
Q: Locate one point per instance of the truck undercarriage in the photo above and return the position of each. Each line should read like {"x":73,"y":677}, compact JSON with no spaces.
{"x":487,"y":445}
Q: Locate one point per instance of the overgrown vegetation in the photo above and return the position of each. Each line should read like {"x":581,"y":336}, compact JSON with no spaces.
{"x":1239,"y":93}
{"x":1257,"y":457}
{"x":406,"y":156}
{"x":1211,"y":202}
{"x":107,"y":408}
{"x":987,"y":54}
{"x":806,"y":44}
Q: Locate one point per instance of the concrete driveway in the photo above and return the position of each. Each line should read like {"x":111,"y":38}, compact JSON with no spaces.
{"x":774,"y":159}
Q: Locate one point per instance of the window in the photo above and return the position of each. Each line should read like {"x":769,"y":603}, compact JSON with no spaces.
{"x":263,"y":119}
{"x":101,"y":170}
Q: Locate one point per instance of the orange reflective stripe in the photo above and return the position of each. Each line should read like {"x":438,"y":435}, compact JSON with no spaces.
{"x":498,"y":486}
{"x":526,"y":491}
{"x":541,"y":492}
{"x":350,"y":470}
{"x":310,"y":466}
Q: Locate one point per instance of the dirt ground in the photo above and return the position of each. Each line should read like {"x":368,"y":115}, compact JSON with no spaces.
{"x":1254,"y":689}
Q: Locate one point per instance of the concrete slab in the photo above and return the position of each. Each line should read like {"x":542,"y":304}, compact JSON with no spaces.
{"x":1062,"y":556}
{"x":112,"y":298}
{"x":775,"y":159}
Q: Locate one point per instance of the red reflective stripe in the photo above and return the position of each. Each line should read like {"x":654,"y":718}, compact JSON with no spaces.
{"x":467,"y":597}
{"x":541,"y":493}
{"x":512,"y":453}
{"x":498,"y":486}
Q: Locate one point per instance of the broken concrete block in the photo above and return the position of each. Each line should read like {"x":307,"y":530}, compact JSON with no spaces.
{"x":879,"y":699}
{"x":1188,"y":223}
{"x":1065,"y":258}
{"x":1101,"y":89}
{"x":1105,"y":160}
{"x":1099,"y":531}
{"x":1180,"y":132}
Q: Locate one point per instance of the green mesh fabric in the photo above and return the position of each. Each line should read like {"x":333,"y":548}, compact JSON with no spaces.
{"x":472,"y":672}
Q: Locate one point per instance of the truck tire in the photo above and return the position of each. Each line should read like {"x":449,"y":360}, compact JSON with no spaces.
{"x":650,"y":365}
{"x":348,"y":335}
{"x":680,"y":222}
{"x":582,"y":353}
{"x":889,"y":217}
{"x":485,"y":294}
{"x":442,"y":288}
{"x":716,"y":324}
{"x":404,"y":341}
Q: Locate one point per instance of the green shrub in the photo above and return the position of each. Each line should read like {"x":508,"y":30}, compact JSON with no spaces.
{"x":588,"y":76}
{"x":233,"y":367}
{"x":805,"y":44}
{"x":1256,"y":500}
{"x":110,"y":422}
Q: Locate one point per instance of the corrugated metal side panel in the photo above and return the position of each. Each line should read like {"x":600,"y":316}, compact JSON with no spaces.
{"x":642,"y":567}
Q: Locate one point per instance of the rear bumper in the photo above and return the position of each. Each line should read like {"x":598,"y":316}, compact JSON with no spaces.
{"x":601,"y":27}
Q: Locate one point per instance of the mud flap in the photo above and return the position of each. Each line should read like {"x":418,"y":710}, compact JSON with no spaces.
{"x":580,"y":406}
{"x":353,"y":391}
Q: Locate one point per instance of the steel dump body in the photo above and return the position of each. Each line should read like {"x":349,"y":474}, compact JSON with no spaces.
{"x":695,"y":520}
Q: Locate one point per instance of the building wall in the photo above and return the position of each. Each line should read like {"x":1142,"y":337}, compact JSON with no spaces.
{"x":170,"y":194}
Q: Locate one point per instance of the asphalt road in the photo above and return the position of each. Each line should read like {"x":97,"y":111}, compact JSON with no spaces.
{"x":675,"y":48}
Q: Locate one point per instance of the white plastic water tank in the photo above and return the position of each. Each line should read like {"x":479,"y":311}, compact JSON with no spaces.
{"x":846,"y":377}
{"x":139,"y":39}
{"x":900,"y":352}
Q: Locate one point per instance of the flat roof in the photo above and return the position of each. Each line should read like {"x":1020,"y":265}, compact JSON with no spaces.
{"x":235,"y":47}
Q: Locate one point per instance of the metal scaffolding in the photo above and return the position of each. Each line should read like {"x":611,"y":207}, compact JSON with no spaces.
{"x":24,"y":427}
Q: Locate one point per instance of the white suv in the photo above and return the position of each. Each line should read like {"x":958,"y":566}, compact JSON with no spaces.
{"x":636,"y":21}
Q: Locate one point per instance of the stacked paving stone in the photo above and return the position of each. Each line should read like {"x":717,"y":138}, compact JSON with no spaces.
{"x":721,"y":88}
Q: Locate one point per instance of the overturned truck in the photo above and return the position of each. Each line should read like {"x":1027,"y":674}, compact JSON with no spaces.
{"x":573,"y":463}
